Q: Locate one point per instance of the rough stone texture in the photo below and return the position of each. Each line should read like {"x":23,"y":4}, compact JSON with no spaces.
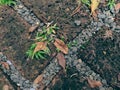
{"x":26,"y":13}
{"x":14,"y":75}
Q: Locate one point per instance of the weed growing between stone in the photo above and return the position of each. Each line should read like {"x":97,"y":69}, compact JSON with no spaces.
{"x":40,"y":49}
{"x":37,"y":55}
{"x":71,"y":44}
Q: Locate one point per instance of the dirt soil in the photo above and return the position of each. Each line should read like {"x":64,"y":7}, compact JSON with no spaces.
{"x":101,"y":53}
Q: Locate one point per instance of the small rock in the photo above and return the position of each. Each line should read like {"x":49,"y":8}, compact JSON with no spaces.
{"x":93,"y":74}
{"x":110,"y":88}
{"x":101,"y":88}
{"x":77,"y":22}
{"x":75,"y":63}
{"x":117,"y":27}
{"x":32,"y":88}
{"x":101,"y":15}
{"x":104,"y":82}
{"x":20,"y":6}
{"x":78,"y":67}
{"x":91,"y":77}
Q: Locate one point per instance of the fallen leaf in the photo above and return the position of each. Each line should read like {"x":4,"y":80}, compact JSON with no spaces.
{"x":61,"y":46}
{"x":5,"y":65}
{"x":40,"y":46}
{"x":117,"y":6}
{"x":38,"y":79}
{"x":94,"y":83}
{"x":108,"y":34}
{"x":33,"y":28}
{"x":5,"y":87}
{"x":61,"y":60}
{"x":94,"y":5}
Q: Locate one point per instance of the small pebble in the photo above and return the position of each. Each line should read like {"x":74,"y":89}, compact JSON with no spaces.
{"x":101,"y":88}
{"x":9,"y":62}
{"x":77,"y":22}
{"x":104,"y":81}
{"x":20,"y":6}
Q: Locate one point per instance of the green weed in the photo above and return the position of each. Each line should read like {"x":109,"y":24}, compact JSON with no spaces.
{"x":7,"y":2}
{"x":111,"y":3}
{"x":37,"y":55}
{"x":87,"y":2}
{"x":71,"y":44}
{"x":47,"y":35}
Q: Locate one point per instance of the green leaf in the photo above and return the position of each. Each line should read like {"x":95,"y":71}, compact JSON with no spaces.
{"x":7,"y":2}
{"x":33,"y":46}
{"x":37,"y":56}
{"x":111,"y":3}
{"x":87,"y":2}
{"x":41,"y":55}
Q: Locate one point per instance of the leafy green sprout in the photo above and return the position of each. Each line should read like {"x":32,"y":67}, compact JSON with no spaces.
{"x":74,"y":43}
{"x":87,"y":2}
{"x":45,"y":35}
{"x":7,"y":2}
{"x":37,"y":55}
{"x":57,"y":49}
{"x":111,"y":3}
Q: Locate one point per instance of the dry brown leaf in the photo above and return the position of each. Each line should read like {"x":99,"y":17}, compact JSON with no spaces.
{"x":61,"y":60}
{"x":5,"y":87}
{"x":94,"y":83}
{"x":61,"y":46}
{"x":38,"y":79}
{"x":5,"y":65}
{"x":117,"y":6}
{"x":33,"y":28}
{"x":94,"y":5}
{"x":108,"y":34}
{"x":40,"y":46}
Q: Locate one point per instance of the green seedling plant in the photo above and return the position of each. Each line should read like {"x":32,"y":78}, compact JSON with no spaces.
{"x":7,"y":2}
{"x":71,"y":44}
{"x":86,"y":2}
{"x":111,"y":3}
{"x":46,"y":35}
{"x":37,"y":55}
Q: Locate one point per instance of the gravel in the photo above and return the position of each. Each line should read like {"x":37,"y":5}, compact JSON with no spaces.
{"x":25,"y":13}
{"x":14,"y":75}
